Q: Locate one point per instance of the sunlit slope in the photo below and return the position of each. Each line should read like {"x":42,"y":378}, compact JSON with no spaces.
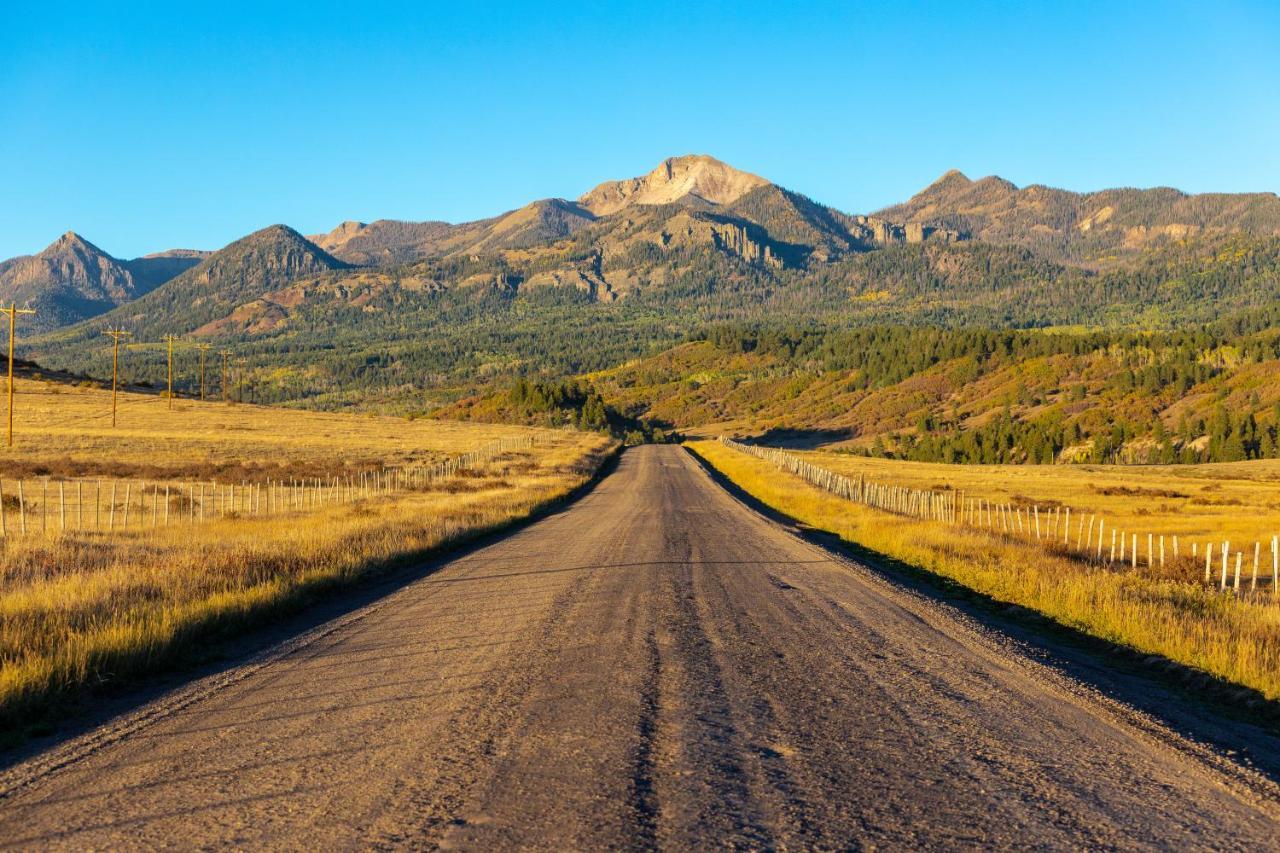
{"x":67,"y":429}
{"x":1059,"y":396}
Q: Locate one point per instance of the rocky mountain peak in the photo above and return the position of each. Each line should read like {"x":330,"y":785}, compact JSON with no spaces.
{"x":951,"y":178}
{"x":71,"y":242}
{"x":675,"y":179}
{"x":339,"y":236}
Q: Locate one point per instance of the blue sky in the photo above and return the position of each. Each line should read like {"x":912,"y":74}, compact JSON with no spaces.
{"x":149,"y":127}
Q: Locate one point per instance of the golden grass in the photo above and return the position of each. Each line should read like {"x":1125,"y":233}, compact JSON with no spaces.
{"x":1235,"y":501}
{"x":67,"y":429}
{"x":1237,"y":639}
{"x":85,"y":608}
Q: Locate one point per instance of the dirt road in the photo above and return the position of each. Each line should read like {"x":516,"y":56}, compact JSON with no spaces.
{"x":656,"y":665}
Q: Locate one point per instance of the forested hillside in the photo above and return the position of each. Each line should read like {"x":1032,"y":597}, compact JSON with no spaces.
{"x":973,"y":395}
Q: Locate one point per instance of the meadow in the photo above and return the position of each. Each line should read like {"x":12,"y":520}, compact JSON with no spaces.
{"x":84,"y":609}
{"x":1153,"y":610}
{"x":1236,"y":502}
{"x":62,"y":429}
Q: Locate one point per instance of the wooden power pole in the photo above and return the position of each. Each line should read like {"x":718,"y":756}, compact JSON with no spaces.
{"x":226,"y":392}
{"x":13,"y":311}
{"x":169,"y":339}
{"x":204,"y":348}
{"x":115,"y":335}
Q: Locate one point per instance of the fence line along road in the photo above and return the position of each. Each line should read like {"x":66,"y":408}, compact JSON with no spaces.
{"x":52,"y":507}
{"x":1090,"y":540}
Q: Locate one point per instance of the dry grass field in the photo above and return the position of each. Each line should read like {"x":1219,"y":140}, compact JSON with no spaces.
{"x":1228,"y":501}
{"x":65,"y":430}
{"x":85,"y":608}
{"x":1234,"y":637}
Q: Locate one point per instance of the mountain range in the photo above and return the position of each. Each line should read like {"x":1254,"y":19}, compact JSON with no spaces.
{"x":72,"y":279}
{"x":636,"y":263}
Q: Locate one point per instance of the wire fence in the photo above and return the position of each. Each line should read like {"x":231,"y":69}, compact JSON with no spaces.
{"x":50,"y":507}
{"x":1088,"y":538}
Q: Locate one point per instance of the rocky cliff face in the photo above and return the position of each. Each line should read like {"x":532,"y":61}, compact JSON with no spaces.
{"x":737,"y":240}
{"x":871,"y":229}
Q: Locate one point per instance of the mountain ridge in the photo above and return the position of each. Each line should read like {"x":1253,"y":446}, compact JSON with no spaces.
{"x":694,"y":241}
{"x":1089,"y":227}
{"x":72,"y":279}
{"x":241,"y":271}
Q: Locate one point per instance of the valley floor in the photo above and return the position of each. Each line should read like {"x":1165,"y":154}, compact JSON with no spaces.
{"x":655,"y":665}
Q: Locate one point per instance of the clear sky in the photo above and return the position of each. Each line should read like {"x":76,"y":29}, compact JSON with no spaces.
{"x":144,"y":127}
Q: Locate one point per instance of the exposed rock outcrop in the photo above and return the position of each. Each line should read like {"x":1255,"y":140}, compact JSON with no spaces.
{"x":696,"y":177}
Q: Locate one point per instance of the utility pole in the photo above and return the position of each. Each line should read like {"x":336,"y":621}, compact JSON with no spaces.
{"x":115,"y":335}
{"x":226,"y":391}
{"x":13,"y":311}
{"x":169,"y":339}
{"x":204,"y":348}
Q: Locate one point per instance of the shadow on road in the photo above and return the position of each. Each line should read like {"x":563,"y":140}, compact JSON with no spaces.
{"x":1233,"y":719}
